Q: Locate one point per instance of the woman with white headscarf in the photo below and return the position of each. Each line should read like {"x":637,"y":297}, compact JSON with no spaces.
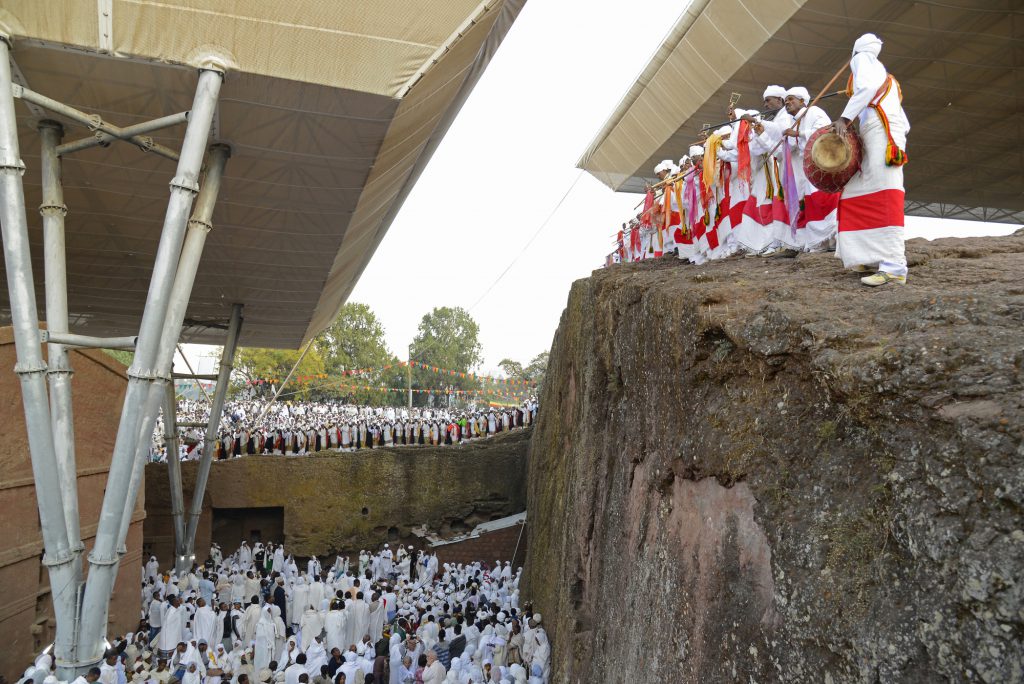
{"x":192,"y":674}
{"x":542,"y":653}
{"x":395,"y":659}
{"x":518,"y":673}
{"x":316,"y":657}
{"x":288,"y":655}
{"x":265,"y":640}
{"x":280,"y":631}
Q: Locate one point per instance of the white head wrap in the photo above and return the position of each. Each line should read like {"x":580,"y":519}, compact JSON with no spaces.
{"x":682,"y":161}
{"x":774,"y":91}
{"x":696,"y":150}
{"x":664,"y":165}
{"x":869,"y":42}
{"x":800,"y":93}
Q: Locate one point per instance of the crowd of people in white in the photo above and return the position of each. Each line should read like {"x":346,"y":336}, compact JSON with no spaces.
{"x":395,"y":616}
{"x":299,"y":428}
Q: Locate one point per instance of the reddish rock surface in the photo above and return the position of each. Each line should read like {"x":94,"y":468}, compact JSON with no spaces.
{"x":26,"y":618}
{"x":759,"y":470}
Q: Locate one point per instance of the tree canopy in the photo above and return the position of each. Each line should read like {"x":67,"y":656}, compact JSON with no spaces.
{"x":447,"y":337}
{"x":354,"y":341}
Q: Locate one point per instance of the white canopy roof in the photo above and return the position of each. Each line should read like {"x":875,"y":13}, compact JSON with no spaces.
{"x":332,"y":109}
{"x":958,"y":62}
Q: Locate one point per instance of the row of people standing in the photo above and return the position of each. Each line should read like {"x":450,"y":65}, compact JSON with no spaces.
{"x":744,"y":190}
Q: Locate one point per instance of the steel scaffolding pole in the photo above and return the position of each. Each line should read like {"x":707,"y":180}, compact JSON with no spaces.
{"x":227,"y":358}
{"x":136,"y":417}
{"x":58,"y":556}
{"x":59,"y":370}
{"x":174,"y":468}
{"x":199,"y":226}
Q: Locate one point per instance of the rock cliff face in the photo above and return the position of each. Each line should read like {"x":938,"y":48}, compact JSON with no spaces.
{"x":761,"y":471}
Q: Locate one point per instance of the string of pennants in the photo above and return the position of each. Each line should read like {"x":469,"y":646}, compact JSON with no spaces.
{"x":305,"y":379}
{"x":437,"y":390}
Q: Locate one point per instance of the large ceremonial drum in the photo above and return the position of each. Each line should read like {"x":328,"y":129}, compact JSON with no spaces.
{"x":830,"y":160}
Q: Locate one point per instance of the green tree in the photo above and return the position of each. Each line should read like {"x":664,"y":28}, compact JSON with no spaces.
{"x":533,"y":373}
{"x":513,"y":369}
{"x":354,"y":341}
{"x":447,"y":338}
{"x":536,"y":370}
{"x":253,"y":364}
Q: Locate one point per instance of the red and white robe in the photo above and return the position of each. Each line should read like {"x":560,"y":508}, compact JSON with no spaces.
{"x":764,"y":211}
{"x":871,"y":207}
{"x":818,"y":218}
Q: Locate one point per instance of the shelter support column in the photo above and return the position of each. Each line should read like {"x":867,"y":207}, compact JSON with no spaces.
{"x":59,"y":370}
{"x":138,"y":415}
{"x":174,"y":470}
{"x":58,"y":556}
{"x":227,"y":359}
{"x":199,"y":226}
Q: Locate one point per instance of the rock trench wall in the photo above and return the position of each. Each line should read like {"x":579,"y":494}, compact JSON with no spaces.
{"x":343,"y":502}
{"x":760,"y":471}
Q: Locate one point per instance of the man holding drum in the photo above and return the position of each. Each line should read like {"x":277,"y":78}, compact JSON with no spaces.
{"x":871,"y":205}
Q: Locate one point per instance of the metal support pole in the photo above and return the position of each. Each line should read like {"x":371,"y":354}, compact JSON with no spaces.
{"x":59,"y":372}
{"x":92,"y":121}
{"x":227,"y":358}
{"x":128,"y":133}
{"x":136,"y":419}
{"x":174,"y":471}
{"x":58,"y":556}
{"x":67,"y":339}
{"x":181,"y":291}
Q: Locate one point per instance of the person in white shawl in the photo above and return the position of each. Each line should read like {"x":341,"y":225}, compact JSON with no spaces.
{"x":205,"y":624}
{"x":334,"y":626}
{"x":358,"y":622}
{"x":375,"y":627}
{"x":395,"y":659}
{"x":542,"y":654}
{"x":171,"y":633}
{"x":278,"y":565}
{"x":351,"y":669}
{"x":316,"y":657}
{"x":193,"y":675}
{"x":280,"y":631}
{"x":518,"y":673}
{"x":311,"y":625}
{"x":288,"y":655}
{"x":266,"y":641}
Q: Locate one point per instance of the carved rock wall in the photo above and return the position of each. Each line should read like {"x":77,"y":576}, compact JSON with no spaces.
{"x":761,"y":471}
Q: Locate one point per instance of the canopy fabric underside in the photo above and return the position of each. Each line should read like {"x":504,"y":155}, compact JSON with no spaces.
{"x":960,"y":65}
{"x":331,"y":109}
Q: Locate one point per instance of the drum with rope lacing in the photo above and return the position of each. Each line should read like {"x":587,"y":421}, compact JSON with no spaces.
{"x":830,"y":160}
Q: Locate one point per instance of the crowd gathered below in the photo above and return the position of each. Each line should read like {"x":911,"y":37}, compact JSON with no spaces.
{"x":393,"y":616}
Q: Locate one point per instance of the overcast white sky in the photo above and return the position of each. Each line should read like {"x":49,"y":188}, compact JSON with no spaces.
{"x":506,"y":162}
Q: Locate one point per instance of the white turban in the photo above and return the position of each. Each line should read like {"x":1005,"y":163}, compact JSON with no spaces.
{"x":682,"y":161}
{"x":800,"y":93}
{"x":696,"y":150}
{"x":774,"y":91}
{"x":664,"y":165}
{"x":869,"y":42}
